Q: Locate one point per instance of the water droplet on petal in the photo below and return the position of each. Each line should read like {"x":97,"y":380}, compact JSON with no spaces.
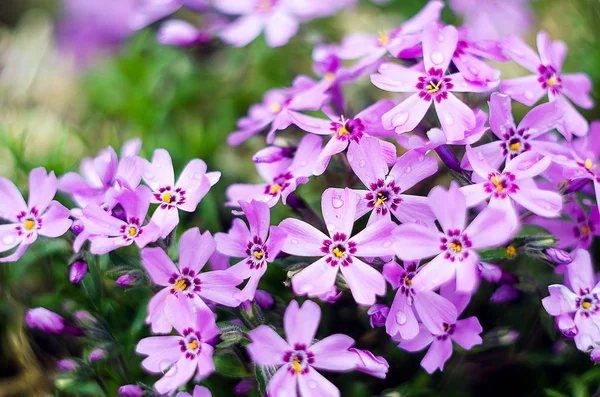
{"x":198,"y":175}
{"x":464,"y":84}
{"x":331,"y":227}
{"x":312,"y":384}
{"x":440,"y":37}
{"x":362,"y":163}
{"x":421,"y":158}
{"x":387,"y":243}
{"x":474,"y":71}
{"x":401,"y":318}
{"x":437,"y":57}
{"x":302,"y":163}
{"x":400,"y":119}
{"x":337,"y":202}
{"x":149,"y":175}
{"x":480,"y":155}
{"x":408,"y":170}
{"x":529,"y":95}
{"x":294,"y":241}
{"x":154,"y":185}
{"x":449,"y":119}
{"x":349,"y":157}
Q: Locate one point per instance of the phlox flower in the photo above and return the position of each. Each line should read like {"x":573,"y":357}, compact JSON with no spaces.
{"x":346,"y":132}
{"x":548,"y":77}
{"x":178,"y":357}
{"x":276,"y":107}
{"x":107,"y":232}
{"x":453,"y":248}
{"x":282,"y":177}
{"x":465,"y":333}
{"x":433,"y":86}
{"x":297,"y":357}
{"x":186,"y":278}
{"x":339,"y":251}
{"x":514,"y":183}
{"x":258,"y":246}
{"x":529,"y":135}
{"x":105,"y":175}
{"x":40,"y":216}
{"x":192,"y":185}
{"x":199,"y":391}
{"x":385,"y":192}
{"x":579,"y":298}
{"x":470,"y":54}
{"x":413,"y":301}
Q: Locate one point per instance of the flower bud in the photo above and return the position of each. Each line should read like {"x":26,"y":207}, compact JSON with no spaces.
{"x":45,"y":320}
{"x":558,"y":256}
{"x":77,"y":226}
{"x":73,"y":330}
{"x":489,"y":272}
{"x":83,"y":316}
{"x":369,"y":364}
{"x":566,"y":325}
{"x":181,"y":33}
{"x":330,"y":296}
{"x":131,"y":391}
{"x":126,"y":280}
{"x":505,"y":293}
{"x":272,"y":154}
{"x":378,"y":315}
{"x":595,"y":355}
{"x":243,"y":387}
{"x":77,"y":271}
{"x":509,"y":337}
{"x":97,"y":355}
{"x":264,"y":300}
{"x":67,"y":365}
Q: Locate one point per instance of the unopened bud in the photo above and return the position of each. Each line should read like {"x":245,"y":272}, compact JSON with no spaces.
{"x":558,"y":256}
{"x":77,"y":271}
{"x":272,"y":154}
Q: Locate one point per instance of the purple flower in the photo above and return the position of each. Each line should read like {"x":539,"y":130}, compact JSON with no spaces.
{"x":191,"y":187}
{"x":297,"y":357}
{"x":529,"y":135}
{"x":264,"y":300}
{"x":131,"y":391}
{"x":490,"y":19}
{"x":179,"y":357}
{"x":489,"y":272}
{"x":331,"y":295}
{"x":97,"y":355}
{"x":469,"y":54}
{"x":199,"y":391}
{"x":558,"y":256}
{"x":244,"y":386}
{"x":413,"y":300}
{"x":45,"y":320}
{"x":339,"y":251}
{"x":281,"y":177}
{"x":455,"y":247}
{"x":464,"y":332}
{"x":548,"y":77}
{"x":77,"y":271}
{"x":378,"y":313}
{"x":273,"y":154}
{"x":126,"y":280}
{"x":41,"y":216}
{"x":432,"y":86}
{"x":514,"y":183}
{"x":581,"y":298}
{"x":385,"y":194}
{"x":505,"y":293}
{"x":595,"y":354}
{"x":185,"y":278}
{"x":108,"y":233}
{"x":67,"y":365}
{"x":369,"y":364}
{"x":346,"y":132}
{"x":277,"y":105}
{"x":258,"y":246}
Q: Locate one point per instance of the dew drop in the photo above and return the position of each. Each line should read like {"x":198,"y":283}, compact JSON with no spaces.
{"x":331,"y":227}
{"x":437,"y":57}
{"x":337,"y":202}
{"x":480,"y":155}
{"x":401,"y":318}
{"x":387,"y":243}
{"x":474,"y":71}
{"x":421,"y":158}
{"x":149,"y":176}
{"x":8,"y":240}
{"x":362,"y":163}
{"x":302,"y":163}
{"x":349,"y":157}
{"x":294,"y":241}
{"x":464,"y":84}
{"x":449,"y":119}
{"x":198,"y":175}
{"x":408,"y":170}
{"x":440,"y":37}
{"x":312,"y":384}
{"x":529,"y":95}
{"x":154,"y":185}
{"x":400,"y":119}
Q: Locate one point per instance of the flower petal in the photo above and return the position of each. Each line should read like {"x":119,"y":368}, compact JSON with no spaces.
{"x":42,"y":188}
{"x":438,"y":46}
{"x":10,"y":194}
{"x":55,"y":221}
{"x":401,"y":318}
{"x":437,"y":355}
{"x":455,"y":117}
{"x":364,"y":282}
{"x":331,"y":353}
{"x":313,"y":383}
{"x":339,"y":208}
{"x":434,"y":273}
{"x":526,"y":90}
{"x":406,"y":115}
{"x":267,"y":347}
{"x":466,"y":333}
{"x":302,"y":239}
{"x":411,"y":168}
{"x":375,"y":239}
{"x":449,"y":207}
{"x":521,"y":53}
{"x":416,"y":241}
{"x":434,"y":311}
{"x":301,"y":323}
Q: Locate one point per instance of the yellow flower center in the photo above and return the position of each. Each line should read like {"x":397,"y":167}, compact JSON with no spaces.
{"x":407,"y":281}
{"x":383,"y":39}
{"x":515,"y":146}
{"x":132,"y":231}
{"x":496,"y":181}
{"x":259,"y":254}
{"x":588,"y":164}
{"x":181,"y":284}
{"x":193,"y":344}
{"x":584,"y":230}
{"x":381,"y":198}
{"x":275,"y":188}
{"x":329,"y":77}
{"x":338,"y":252}
{"x":511,"y":251}
{"x":433,"y":87}
{"x":456,"y":247}
{"x":29,"y":224}
{"x":552,"y":80}
{"x":166,"y":197}
{"x":586,"y":305}
{"x":296,"y":365}
{"x":275,"y":108}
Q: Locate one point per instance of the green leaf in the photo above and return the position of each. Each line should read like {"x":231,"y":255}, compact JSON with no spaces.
{"x":230,"y":365}
{"x":263,"y":374}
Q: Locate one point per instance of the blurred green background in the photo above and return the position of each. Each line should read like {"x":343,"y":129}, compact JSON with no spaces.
{"x":187,"y":101}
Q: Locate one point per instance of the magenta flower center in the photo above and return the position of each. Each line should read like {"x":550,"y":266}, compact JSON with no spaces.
{"x":448,"y":331}
{"x":456,"y":245}
{"x":348,"y":129}
{"x":406,"y":280}
{"x":587,"y":303}
{"x":29,"y":223}
{"x":186,"y":282}
{"x":169,"y":197}
{"x":339,"y":250}
{"x":549,"y":79}
{"x":257,"y":253}
{"x":515,"y":142}
{"x":583,"y":228}
{"x":383,"y":197}
{"x":434,"y":85}
{"x":191,"y":343}
{"x":280,"y":183}
{"x":132,"y":229}
{"x":299,"y":359}
{"x":501,"y":184}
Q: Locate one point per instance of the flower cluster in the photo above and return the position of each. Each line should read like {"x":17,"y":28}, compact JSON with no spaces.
{"x":430,"y":249}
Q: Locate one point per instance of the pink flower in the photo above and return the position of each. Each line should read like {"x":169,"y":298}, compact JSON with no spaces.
{"x":41,"y":216}
{"x":514,"y":183}
{"x":385,"y":194}
{"x":186,"y":278}
{"x":464,"y":332}
{"x":580,"y":298}
{"x":199,"y":391}
{"x":346,"y":132}
{"x":548,"y":77}
{"x":282,"y":177}
{"x":297,"y":357}
{"x":179,"y":357}
{"x":435,"y":86}
{"x":454,"y":248}
{"x":258,"y":246}
{"x":339,"y":251}
{"x":191,"y":187}
{"x":45,"y":320}
{"x":529,"y":135}
{"x":108,"y":233}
